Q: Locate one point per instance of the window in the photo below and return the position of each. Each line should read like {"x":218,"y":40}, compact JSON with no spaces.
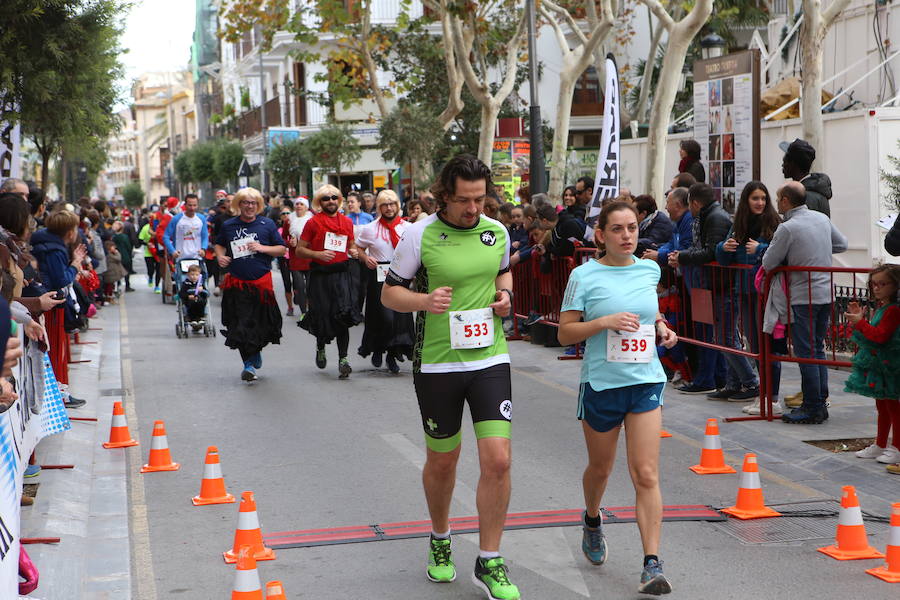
{"x":300,"y":94}
{"x":587,"y":99}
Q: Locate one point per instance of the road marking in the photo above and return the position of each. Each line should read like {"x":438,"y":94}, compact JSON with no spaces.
{"x":546,"y":552}
{"x":141,"y":557}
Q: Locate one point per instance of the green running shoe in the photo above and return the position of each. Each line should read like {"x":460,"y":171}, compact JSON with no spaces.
{"x":492,"y":576}
{"x":440,"y":566}
{"x":321,"y":360}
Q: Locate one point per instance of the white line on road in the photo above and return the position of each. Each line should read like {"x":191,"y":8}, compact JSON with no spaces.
{"x":544,"y":551}
{"x":141,"y":558}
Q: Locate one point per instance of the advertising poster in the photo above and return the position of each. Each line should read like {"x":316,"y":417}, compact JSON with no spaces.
{"x":726,"y":122}
{"x":606,"y":178}
{"x":509,"y":166}
{"x":10,"y":161}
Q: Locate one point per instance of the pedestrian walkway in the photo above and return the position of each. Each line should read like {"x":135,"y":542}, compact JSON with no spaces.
{"x":86,"y":507}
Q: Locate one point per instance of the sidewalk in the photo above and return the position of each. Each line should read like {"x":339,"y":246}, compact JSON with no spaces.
{"x":87,"y":507}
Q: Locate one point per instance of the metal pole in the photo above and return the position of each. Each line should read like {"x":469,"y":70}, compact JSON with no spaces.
{"x":263,"y":175}
{"x":537,"y":177}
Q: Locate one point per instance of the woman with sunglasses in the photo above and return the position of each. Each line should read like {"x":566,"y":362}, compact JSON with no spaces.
{"x":328,"y":240}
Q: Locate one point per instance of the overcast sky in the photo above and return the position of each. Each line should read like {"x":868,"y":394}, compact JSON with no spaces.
{"x":158,"y":35}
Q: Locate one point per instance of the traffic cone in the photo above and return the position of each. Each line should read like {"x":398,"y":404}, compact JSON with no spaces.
{"x":890,"y":572}
{"x":852,"y":543}
{"x":664,"y":434}
{"x":119,"y":436}
{"x":275,"y":591}
{"x":212,"y":487}
{"x":160,"y":459}
{"x":248,"y":532}
{"x":246,"y":577}
{"x":712,"y":459}
{"x":750,"y":504}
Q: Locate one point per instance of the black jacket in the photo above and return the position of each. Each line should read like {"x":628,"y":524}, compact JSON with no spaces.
{"x":892,"y":241}
{"x":567,"y":229}
{"x":655,"y":233}
{"x":714,"y":225}
{"x":696,"y":169}
{"x":818,"y":193}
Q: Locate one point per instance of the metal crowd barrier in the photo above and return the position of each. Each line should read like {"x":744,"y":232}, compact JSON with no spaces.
{"x":716,"y":307}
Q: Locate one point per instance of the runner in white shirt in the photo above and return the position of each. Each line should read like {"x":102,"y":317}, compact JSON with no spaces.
{"x":186,"y":235}
{"x":387,"y":331}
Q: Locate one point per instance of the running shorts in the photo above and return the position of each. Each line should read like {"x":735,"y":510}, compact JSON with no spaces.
{"x":441,"y":398}
{"x":607,"y":409}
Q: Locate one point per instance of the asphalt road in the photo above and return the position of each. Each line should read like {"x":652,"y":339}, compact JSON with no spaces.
{"x":320,"y":453}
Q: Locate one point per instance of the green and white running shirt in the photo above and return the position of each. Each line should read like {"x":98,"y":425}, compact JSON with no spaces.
{"x":432,"y":254}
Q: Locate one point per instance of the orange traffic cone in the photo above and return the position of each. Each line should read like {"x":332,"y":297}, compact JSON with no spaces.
{"x":275,"y":591}
{"x":750,"y":504}
{"x":119,"y":436}
{"x":160,"y":459}
{"x":890,"y":572}
{"x":712,"y":459}
{"x":248,"y":532}
{"x":664,"y":434}
{"x":212,"y":487}
{"x":852,"y":543}
{"x":246,"y":577}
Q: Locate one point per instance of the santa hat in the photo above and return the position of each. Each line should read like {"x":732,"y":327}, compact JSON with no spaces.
{"x":172,"y":202}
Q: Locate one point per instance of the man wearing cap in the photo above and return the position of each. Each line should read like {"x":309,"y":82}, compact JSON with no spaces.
{"x":797,"y":161}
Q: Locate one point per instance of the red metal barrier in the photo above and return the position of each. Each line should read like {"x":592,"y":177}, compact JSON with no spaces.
{"x":719,"y":308}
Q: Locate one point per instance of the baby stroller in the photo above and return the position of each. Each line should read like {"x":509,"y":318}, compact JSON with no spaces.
{"x":184,"y":327}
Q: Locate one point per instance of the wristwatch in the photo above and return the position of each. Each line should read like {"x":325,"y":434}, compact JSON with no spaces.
{"x":511,"y":296}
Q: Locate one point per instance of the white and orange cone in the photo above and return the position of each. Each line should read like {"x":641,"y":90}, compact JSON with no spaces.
{"x":852,"y":543}
{"x":248,"y":533}
{"x":750,"y":503}
{"x":246,"y":577}
{"x":275,"y":591}
{"x":212,"y":487}
{"x":160,"y":457}
{"x":712,"y":459}
{"x":890,"y":571}
{"x":119,"y":436}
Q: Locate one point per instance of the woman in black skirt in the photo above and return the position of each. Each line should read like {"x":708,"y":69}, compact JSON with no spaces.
{"x":245,"y":247}
{"x":387,"y":331}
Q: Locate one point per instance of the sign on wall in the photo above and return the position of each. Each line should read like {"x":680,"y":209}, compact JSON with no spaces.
{"x":10,"y":160}
{"x":509,"y":166}
{"x":726,"y":122}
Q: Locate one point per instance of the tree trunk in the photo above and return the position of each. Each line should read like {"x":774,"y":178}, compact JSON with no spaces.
{"x":811,"y":86}
{"x":45,"y":172}
{"x":561,"y":137}
{"x":681,"y":34}
{"x":816,"y":24}
{"x":647,"y":78}
{"x":489,"y":112}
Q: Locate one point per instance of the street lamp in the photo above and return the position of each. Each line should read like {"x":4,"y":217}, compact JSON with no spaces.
{"x":712,"y":46}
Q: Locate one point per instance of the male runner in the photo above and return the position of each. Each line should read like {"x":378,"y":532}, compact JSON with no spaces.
{"x":459,"y":261}
{"x":186,"y":235}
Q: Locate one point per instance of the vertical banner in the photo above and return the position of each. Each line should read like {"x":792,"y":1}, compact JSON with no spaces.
{"x":10,"y":161}
{"x":726,"y":122}
{"x":606,"y":179}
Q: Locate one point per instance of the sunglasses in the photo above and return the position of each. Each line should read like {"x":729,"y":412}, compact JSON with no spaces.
{"x":285,"y":214}
{"x":324,"y":198}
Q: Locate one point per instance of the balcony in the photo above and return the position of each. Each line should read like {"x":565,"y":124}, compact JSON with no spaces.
{"x":249,"y":122}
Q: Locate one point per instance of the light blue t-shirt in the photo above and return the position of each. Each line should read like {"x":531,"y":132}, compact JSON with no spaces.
{"x":596,"y":290}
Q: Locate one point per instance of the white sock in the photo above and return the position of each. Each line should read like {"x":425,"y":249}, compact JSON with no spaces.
{"x":440,"y":536}
{"x":485,"y":555}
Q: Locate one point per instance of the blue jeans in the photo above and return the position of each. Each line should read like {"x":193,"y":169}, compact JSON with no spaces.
{"x":711,"y":369}
{"x":808,"y":333}
{"x":740,"y":371}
